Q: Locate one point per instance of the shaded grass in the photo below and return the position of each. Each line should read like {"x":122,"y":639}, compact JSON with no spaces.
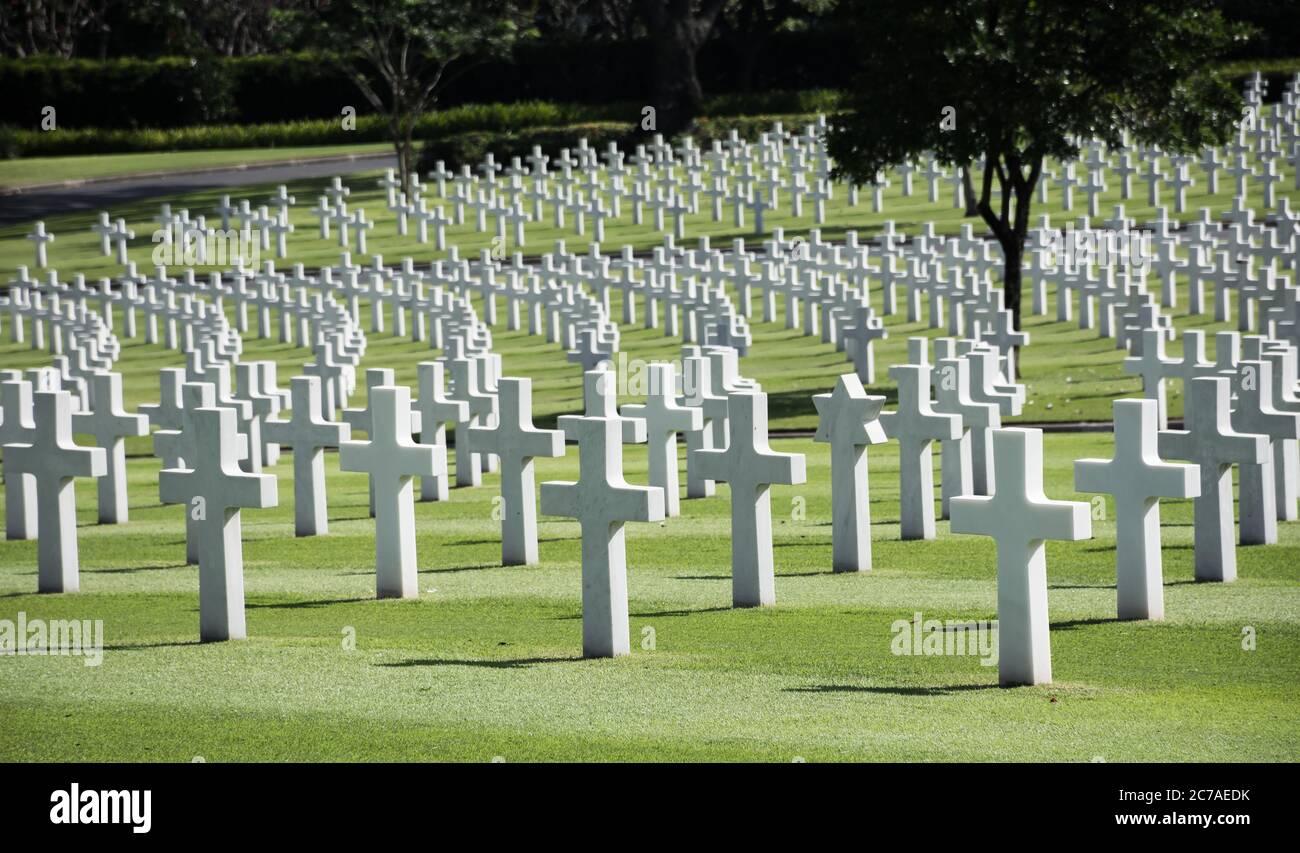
{"x":31,"y":171}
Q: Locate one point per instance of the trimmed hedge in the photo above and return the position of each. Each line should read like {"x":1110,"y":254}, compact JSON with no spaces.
{"x":470,"y":118}
{"x":179,"y":91}
{"x":166,"y":92}
{"x":474,"y":117}
{"x":472,"y":147}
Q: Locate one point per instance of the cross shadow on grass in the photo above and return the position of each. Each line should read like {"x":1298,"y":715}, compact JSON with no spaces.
{"x":1071,"y":624}
{"x":497,"y":541}
{"x":138,"y":647}
{"x":660,"y":614}
{"x":1081,"y":586}
{"x":130,"y":570}
{"x":947,"y":690}
{"x":300,"y":605}
{"x":513,"y":663}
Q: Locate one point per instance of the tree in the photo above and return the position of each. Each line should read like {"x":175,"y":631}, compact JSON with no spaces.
{"x":677,"y":30}
{"x":1024,"y":80}
{"x":49,"y":27}
{"x":402,"y":54}
{"x":752,"y":23}
{"x":224,"y":27}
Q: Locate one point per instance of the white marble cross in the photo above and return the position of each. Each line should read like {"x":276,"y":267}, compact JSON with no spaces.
{"x":1154,"y":368}
{"x":41,"y":238}
{"x":359,"y":419}
{"x":214,"y":490}
{"x":1137,"y":478}
{"x":480,"y":406}
{"x":53,"y":460}
{"x":391,"y":458}
{"x":174,"y":445}
{"x":602,"y":502}
{"x":17,"y":427}
{"x":517,"y":442}
{"x":169,"y":412}
{"x":916,"y":426}
{"x":1256,"y":413}
{"x":436,"y":410}
{"x":848,"y":420}
{"x":109,"y":423}
{"x":307,"y":435}
{"x":966,"y":462}
{"x":664,"y":418}
{"x":600,"y":400}
{"x":750,"y":467}
{"x":698,"y":392}
{"x":1212,"y":443}
{"x":1020,"y":519}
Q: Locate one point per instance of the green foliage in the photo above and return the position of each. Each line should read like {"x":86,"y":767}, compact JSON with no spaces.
{"x":370,"y":128}
{"x":117,"y":93}
{"x":748,"y":127}
{"x":9,"y":143}
{"x":775,"y":102}
{"x":1018,"y":81}
{"x":402,"y":54}
{"x":747,"y":113}
{"x":1030,"y":78}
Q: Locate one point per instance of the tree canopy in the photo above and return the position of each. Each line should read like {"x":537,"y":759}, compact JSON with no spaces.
{"x":402,"y":53}
{"x":1024,"y":80}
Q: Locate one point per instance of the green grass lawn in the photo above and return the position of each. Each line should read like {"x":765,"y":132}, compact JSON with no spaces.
{"x":486,"y":662}
{"x":31,"y":171}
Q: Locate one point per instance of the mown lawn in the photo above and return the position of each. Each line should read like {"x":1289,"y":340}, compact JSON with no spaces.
{"x":33,"y":171}
{"x":486,"y":662}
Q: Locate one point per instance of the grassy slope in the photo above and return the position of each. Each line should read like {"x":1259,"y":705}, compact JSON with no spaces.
{"x":485,"y":663}
{"x":31,"y":171}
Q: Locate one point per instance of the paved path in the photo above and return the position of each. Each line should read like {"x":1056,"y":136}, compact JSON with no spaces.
{"x":103,"y":195}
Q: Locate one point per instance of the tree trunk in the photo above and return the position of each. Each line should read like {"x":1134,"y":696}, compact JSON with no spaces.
{"x":401,"y":147}
{"x":1013,"y":252}
{"x":677,"y":85}
{"x":972,"y":206}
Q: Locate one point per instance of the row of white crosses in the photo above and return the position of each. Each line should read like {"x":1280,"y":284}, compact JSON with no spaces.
{"x":1265,"y":401}
{"x":750,"y":164}
{"x":213,"y":490}
{"x":213,"y":448}
{"x":1246,"y":259}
